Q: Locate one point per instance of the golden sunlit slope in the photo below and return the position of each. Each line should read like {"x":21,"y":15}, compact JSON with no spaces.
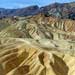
{"x":19,"y":57}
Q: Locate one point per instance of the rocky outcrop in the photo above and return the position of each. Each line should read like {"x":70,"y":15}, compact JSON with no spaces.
{"x":59,"y":10}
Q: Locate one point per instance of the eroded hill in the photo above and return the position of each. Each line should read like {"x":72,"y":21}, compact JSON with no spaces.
{"x":37,"y":45}
{"x":21,"y":57}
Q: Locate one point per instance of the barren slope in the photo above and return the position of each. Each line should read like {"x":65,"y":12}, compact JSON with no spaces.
{"x":22,"y":58}
{"x":37,"y":45}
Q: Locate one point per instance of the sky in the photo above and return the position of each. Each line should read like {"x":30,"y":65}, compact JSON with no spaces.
{"x":25,"y":3}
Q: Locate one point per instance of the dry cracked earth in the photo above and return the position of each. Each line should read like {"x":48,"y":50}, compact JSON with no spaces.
{"x":37,"y":45}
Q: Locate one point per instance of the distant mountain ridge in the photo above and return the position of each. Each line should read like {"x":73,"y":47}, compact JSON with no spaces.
{"x":31,"y":10}
{"x":61,"y":10}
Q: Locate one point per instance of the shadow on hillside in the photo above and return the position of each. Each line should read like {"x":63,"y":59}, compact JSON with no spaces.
{"x":59,"y":66}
